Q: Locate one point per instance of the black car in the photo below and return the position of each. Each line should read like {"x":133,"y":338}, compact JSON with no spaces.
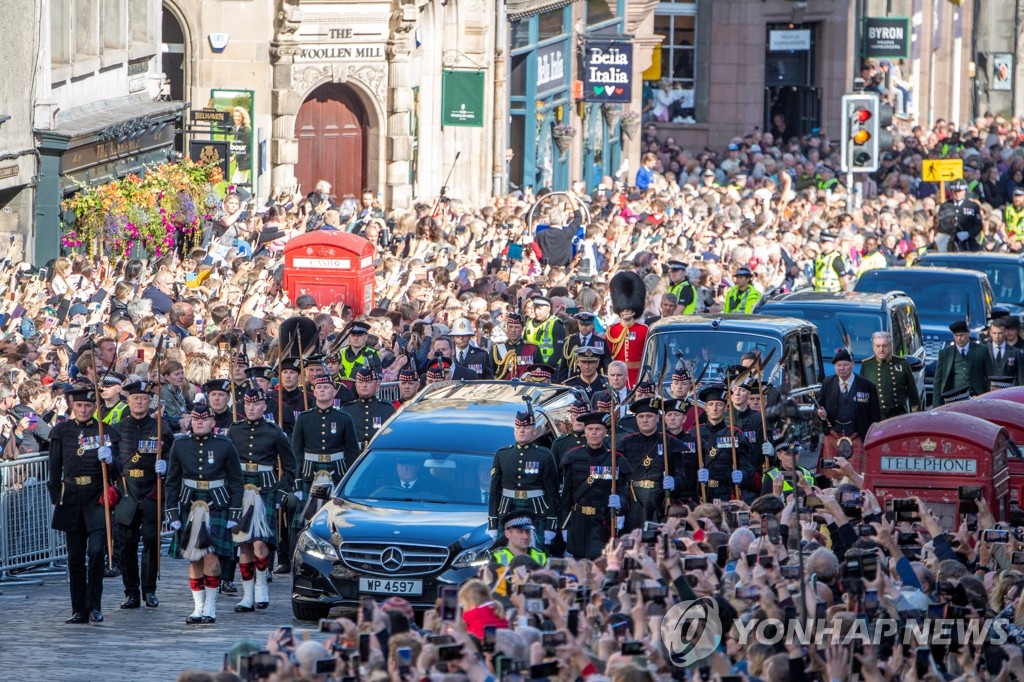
{"x":942,"y":296}
{"x":378,"y":538}
{"x":855,"y":317}
{"x":1005,"y":273}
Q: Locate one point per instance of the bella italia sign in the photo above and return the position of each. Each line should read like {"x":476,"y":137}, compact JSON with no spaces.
{"x":608,"y":71}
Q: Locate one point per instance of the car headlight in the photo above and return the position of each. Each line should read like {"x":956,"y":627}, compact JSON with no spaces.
{"x":473,"y":558}
{"x":316,"y":547}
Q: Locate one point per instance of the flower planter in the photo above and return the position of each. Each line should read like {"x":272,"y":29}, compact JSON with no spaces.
{"x":611,"y":114}
{"x":563,"y":142}
{"x":631,"y":128}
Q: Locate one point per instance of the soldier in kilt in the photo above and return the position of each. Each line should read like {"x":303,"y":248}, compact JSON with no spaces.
{"x":268,"y":470}
{"x":204,"y":487}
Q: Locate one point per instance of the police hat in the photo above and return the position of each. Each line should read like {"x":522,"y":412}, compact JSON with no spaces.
{"x":112,"y":379}
{"x":842,"y":355}
{"x":955,"y":395}
{"x":259,"y":373}
{"x":744,"y":271}
{"x":290,"y":364}
{"x":957,"y":185}
{"x":81,"y":394}
{"x":585,"y":318}
{"x":139,"y":388}
{"x":712,"y":392}
{"x":588,"y":353}
{"x":646,"y":406}
{"x":201,"y":410}
{"x":959,"y":327}
{"x":676,"y":265}
{"x":601,"y":418}
{"x":826,"y":237}
{"x":212,"y":385}
{"x":1018,"y":191}
{"x":520,"y":518}
{"x":359,"y":328}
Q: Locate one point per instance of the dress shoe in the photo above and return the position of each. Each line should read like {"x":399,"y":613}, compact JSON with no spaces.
{"x":283,"y":569}
{"x":194,"y":620}
{"x":96,"y":616}
{"x":151,"y":600}
{"x":244,"y":609}
{"x":76,"y":619}
{"x":208,"y":620}
{"x":132,"y":602}
{"x":262,"y":604}
{"x":111,"y":572}
{"x":228,"y":587}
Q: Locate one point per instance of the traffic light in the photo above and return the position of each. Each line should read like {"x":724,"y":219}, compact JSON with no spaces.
{"x":866,"y":133}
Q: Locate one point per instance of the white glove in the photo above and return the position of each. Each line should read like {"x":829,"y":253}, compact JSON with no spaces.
{"x":737,"y":477}
{"x":620,"y":522}
{"x":105,"y":455}
{"x":161,"y":467}
{"x":962,"y":235}
{"x":298,"y":495}
{"x":492,"y":534}
{"x":668,"y":483}
{"x":549,"y":537}
{"x":232,"y":524}
{"x":703,"y":476}
{"x":614,"y":502}
{"x":767,"y":449}
{"x":565,"y":535}
{"x":175,"y":525}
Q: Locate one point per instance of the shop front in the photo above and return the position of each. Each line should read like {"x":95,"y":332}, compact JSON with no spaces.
{"x":95,"y":146}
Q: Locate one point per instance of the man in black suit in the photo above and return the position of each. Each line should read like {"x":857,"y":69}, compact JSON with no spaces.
{"x":848,"y":406}
{"x":442,"y":369}
{"x":1007,"y":368}
{"x":445,"y":345}
{"x":407,"y":469}
{"x":963,"y":366}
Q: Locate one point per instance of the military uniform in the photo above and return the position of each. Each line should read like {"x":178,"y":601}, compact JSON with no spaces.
{"x":136,"y":513}
{"x":222,"y":421}
{"x":646,"y":457}
{"x":367,"y":415}
{"x":583,"y":510}
{"x":325,"y":441}
{"x":268,"y":468}
{"x":76,"y":488}
{"x":748,"y":421}
{"x":599,"y":385}
{"x":567,"y":364}
{"x":524,"y":477}
{"x":717,"y":441}
{"x":513,"y":360}
{"x":294,"y":405}
{"x":627,"y":345}
{"x":564,"y":444}
{"x":475,"y":359}
{"x":895,"y":383}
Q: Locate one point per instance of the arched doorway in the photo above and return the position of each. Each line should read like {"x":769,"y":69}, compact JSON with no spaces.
{"x":172,"y":58}
{"x":331,"y":127}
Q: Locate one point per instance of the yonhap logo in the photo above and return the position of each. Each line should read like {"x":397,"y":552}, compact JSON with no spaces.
{"x":691,"y":631}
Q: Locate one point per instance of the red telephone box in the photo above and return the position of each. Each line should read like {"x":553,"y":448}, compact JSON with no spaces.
{"x":1015,"y":394}
{"x":1010,"y":416}
{"x":931,"y":454}
{"x":331,"y":266}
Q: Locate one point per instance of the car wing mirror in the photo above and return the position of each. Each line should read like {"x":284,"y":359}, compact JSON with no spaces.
{"x":321,"y":491}
{"x":915,"y":363}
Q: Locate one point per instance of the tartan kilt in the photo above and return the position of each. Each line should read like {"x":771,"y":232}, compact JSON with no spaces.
{"x":830,"y":449}
{"x":270,"y":516}
{"x":221,"y":543}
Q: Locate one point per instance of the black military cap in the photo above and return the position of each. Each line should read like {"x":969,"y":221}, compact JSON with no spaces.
{"x":680,"y":373}
{"x":259,"y":373}
{"x":601,"y":418}
{"x":959,"y":327}
{"x":588,"y":353}
{"x":290,"y":364}
{"x":842,"y":355}
{"x":521,"y":519}
{"x":711,"y":393}
{"x":139,"y":388}
{"x":408,"y":374}
{"x":584,"y":317}
{"x":525,"y":418}
{"x":673,"y":405}
{"x":201,"y":410}
{"x":212,"y":385}
{"x":112,"y":379}
{"x":366,"y":373}
{"x":646,"y":406}
{"x":359,"y":328}
{"x":81,"y":394}
{"x":254,"y":395}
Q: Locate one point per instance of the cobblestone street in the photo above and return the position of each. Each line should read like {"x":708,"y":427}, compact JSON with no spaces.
{"x":130,"y":645}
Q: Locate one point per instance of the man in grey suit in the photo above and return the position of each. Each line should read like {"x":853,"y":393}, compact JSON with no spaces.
{"x":965,"y":366}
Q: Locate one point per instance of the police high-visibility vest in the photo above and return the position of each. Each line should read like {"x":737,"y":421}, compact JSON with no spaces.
{"x":825,"y":276}
{"x":1014,"y":220}
{"x":348,"y":367}
{"x":737,"y":301}
{"x":113,"y":417}
{"x":504,"y":557}
{"x":677,"y":291}
{"x":787,"y":487}
{"x":541,"y":335}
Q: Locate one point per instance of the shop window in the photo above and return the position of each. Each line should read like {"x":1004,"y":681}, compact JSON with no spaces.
{"x":550,"y":24}
{"x":600,"y":11}
{"x":517,"y":80}
{"x":87,"y":29}
{"x":520,"y":34}
{"x":669,"y":92}
{"x":60,"y":31}
{"x":678,"y":49}
{"x":114,"y":26}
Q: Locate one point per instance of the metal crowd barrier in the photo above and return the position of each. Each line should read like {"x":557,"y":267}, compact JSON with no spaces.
{"x":26,"y":540}
{"x":388,"y":392}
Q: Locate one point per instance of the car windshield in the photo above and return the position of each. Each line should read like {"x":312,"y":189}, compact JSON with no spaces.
{"x":1005,"y":281}
{"x":715,"y":348}
{"x":831,"y":322}
{"x":937,"y":302}
{"x":420,"y":476}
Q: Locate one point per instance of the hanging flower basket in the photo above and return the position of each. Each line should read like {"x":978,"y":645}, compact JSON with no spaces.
{"x":612,"y":113}
{"x":631,"y":124}
{"x":563,"y":136}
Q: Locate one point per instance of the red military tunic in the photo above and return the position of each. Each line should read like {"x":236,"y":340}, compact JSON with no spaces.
{"x":627,"y":345}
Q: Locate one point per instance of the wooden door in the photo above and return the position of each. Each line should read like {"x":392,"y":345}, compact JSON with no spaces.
{"x":331,"y":129}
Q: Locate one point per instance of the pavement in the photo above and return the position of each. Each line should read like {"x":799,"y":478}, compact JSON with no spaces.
{"x":130,"y":645}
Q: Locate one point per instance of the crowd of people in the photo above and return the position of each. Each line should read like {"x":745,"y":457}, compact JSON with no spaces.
{"x":206,"y":339}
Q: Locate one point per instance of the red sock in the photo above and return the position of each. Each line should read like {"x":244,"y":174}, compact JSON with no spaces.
{"x":212,"y":581}
{"x":196,"y":584}
{"x":262,"y":563}
{"x":248,"y":570}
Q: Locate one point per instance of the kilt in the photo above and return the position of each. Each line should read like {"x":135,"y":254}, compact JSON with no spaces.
{"x":299,"y":520}
{"x":221,"y":543}
{"x":830,"y":449}
{"x":270,"y":516}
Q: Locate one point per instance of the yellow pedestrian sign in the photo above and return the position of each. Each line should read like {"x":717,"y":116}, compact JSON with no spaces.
{"x":942,"y":170}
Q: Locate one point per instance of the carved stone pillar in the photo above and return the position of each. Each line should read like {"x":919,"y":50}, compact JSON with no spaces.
{"x":284,"y":146}
{"x":400,"y":104}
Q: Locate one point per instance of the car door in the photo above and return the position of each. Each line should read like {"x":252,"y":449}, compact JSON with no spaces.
{"x":912,"y":342}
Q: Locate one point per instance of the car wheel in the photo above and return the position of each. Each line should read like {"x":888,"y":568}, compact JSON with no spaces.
{"x":307,"y":611}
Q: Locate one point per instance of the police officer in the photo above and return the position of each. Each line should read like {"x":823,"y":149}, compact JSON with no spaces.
{"x":828,"y":265}
{"x":368,"y":414}
{"x":520,"y":539}
{"x":510,"y":359}
{"x":77,"y":456}
{"x":268,"y":466}
{"x":586,"y":498}
{"x":645,"y":453}
{"x":717,"y":440}
{"x":959,"y":221}
{"x":681,"y":287}
{"x":587,"y":360}
{"x":136,"y":512}
{"x":204,"y":487}
{"x":112,"y":405}
{"x":742,"y":297}
{"x":467,"y":355}
{"x":291,"y":393}
{"x":1013,"y":215}
{"x":892,"y":376}
{"x":586,"y":337}
{"x":574,"y":438}
{"x":545,"y":331}
{"x":787,"y":454}
{"x":357,"y":354}
{"x":524,"y":476}
{"x":218,"y":395}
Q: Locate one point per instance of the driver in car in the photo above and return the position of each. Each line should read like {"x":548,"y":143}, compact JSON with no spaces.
{"x":408,"y":471}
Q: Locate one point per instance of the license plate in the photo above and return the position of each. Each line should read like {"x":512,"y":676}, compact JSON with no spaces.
{"x":391,"y":586}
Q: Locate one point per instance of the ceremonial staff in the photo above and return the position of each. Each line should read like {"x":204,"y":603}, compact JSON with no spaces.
{"x":732,"y":425}
{"x":159,"y":452}
{"x":760,"y":394}
{"x":664,"y":432}
{"x":614,"y":468}
{"x":103,"y":465}
{"x":302,"y":374}
{"x":696,"y":420}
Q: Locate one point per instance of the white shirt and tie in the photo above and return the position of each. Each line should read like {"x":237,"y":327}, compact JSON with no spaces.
{"x":408,"y":484}
{"x":999,"y":352}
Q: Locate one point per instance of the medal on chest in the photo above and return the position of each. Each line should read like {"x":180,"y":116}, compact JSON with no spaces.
{"x":334,"y":428}
{"x":209,"y":456}
{"x":376,"y":422}
{"x":599,"y":474}
{"x":531,"y":468}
